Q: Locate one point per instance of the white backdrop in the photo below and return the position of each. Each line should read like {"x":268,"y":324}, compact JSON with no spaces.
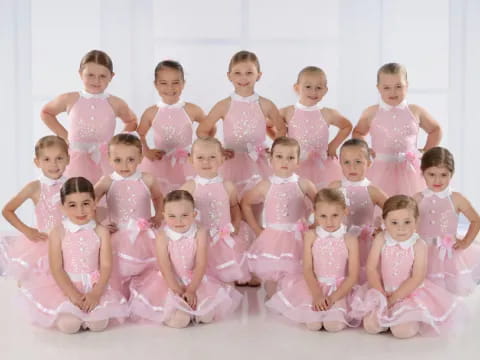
{"x":42,"y":41}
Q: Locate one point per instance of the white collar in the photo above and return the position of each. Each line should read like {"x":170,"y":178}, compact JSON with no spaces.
{"x":50,"y":182}
{"x":173,"y":235}
{"x":117,"y":177}
{"x":389,"y":241}
{"x":364,"y":183}
{"x":277,"y":180}
{"x":383,"y":105}
{"x":440,"y":194}
{"x":322,"y":233}
{"x":87,"y":95}
{"x":248,"y":99}
{"x":300,"y":106}
{"x":72,"y":227}
{"x":178,"y":105}
{"x":205,"y":181}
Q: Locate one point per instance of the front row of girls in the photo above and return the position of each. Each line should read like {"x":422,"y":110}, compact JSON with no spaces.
{"x":191,"y":286}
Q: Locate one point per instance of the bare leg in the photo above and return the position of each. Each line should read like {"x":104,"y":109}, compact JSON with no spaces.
{"x":405,"y":331}
{"x":178,"y":320}
{"x":371,"y":325}
{"x":270,"y":287}
{"x":97,"y":325}
{"x":333,"y":326}
{"x":68,"y":324}
{"x":314,"y":326}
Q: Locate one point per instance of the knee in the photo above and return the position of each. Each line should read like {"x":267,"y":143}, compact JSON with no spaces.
{"x":314,"y":326}
{"x":179,"y":320}
{"x":333,"y":326}
{"x":68,"y":324}
{"x":370,"y":324}
{"x":97,"y":325}
{"x":405,"y":331}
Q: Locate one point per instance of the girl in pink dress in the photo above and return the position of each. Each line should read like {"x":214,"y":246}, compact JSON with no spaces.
{"x":277,"y":251}
{"x":76,"y":293}
{"x":247,"y":120}
{"x":25,"y":255}
{"x":181,"y":291}
{"x":393,"y":126}
{"x":361,"y":196}
{"x":217,"y":203}
{"x":400,"y":297}
{"x":308,"y":123}
{"x":172,"y":123}
{"x":91,"y":114}
{"x":319,"y":296}
{"x":130,"y":194}
{"x":453,"y":263}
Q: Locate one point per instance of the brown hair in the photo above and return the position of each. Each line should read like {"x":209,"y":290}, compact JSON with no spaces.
{"x":311,"y":70}
{"x":178,"y":195}
{"x":50,"y":141}
{"x":126,"y":139}
{"x":209,"y":140}
{"x":285,"y":141}
{"x":359,"y":143}
{"x":170,"y":64}
{"x":399,"y":202}
{"x":97,"y":57}
{"x":76,"y":185}
{"x":244,"y":56}
{"x":438,"y":156}
{"x":331,"y":196}
{"x":392,"y":68}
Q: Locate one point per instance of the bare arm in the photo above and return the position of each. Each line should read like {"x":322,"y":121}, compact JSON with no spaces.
{"x":235,"y":212}
{"x":377,"y":195}
{"x":256,"y":195}
{"x":101,"y":187}
{"x":333,"y":117}
{"x":373,"y":276}
{"x":124,"y":113}
{"x":308,"y":188}
{"x":165,"y":264}
{"x":275,"y":123}
{"x":207,"y":126}
{"x":430,"y":126}
{"x":157,"y":198}
{"x":308,"y":272}
{"x":465,"y":207}
{"x":49,"y":113}
{"x":353,"y":269}
{"x":200,"y":261}
{"x":363,"y":126}
{"x":196,"y":114}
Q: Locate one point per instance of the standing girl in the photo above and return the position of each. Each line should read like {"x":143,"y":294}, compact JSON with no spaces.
{"x":277,"y":251}
{"x":180,"y":291}
{"x":393,"y":126}
{"x":91,"y":114}
{"x":453,"y":263}
{"x":22,"y":254}
{"x":247,"y":119}
{"x":172,"y":123}
{"x":308,"y":122}
{"x":330,"y":270}
{"x":77,"y":293}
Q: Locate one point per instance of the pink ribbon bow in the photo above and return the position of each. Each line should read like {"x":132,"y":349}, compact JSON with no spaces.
{"x":255,"y":151}
{"x":409,"y":158}
{"x":300,"y":228}
{"x":222,"y":233}
{"x":136,"y":226}
{"x":178,"y":155}
{"x":445,"y":246}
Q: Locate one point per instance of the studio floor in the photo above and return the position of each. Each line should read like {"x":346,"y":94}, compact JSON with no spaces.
{"x":252,"y":333}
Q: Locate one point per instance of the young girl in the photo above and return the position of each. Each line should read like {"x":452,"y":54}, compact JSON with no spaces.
{"x":330,"y":270}
{"x":76,"y":294}
{"x":91,"y":114}
{"x":130,"y":194}
{"x":22,"y":254}
{"x":308,"y":123}
{"x":393,"y":127}
{"x":277,"y":251}
{"x":360,"y":194}
{"x":400,"y":297}
{"x":219,"y":210}
{"x":247,"y":119}
{"x":172,"y":123}
{"x":181,"y":291}
{"x":453,"y":263}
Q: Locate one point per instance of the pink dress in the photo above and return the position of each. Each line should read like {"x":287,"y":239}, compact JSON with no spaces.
{"x":226,"y":255}
{"x":92,"y":125}
{"x":44,"y":299}
{"x":279,"y":248}
{"x":152,"y":299}
{"x":396,"y":167}
{"x":21,"y":257}
{"x":431,"y":306}
{"x":330,"y":260}
{"x":244,"y":129}
{"x":172,"y":133}
{"x":310,"y":129}
{"x":129,"y":202}
{"x":360,"y":217}
{"x":456,"y":270}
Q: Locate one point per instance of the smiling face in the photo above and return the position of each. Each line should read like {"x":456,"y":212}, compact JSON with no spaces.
{"x":95,"y":78}
{"x":393,"y":88}
{"x":243,"y":75}
{"x":179,"y":215}
{"x":124,"y":158}
{"x":79,"y":207}
{"x":52,"y":160}
{"x":401,"y":224}
{"x":311,"y":88}
{"x":329,"y":215}
{"x":169,"y":84}
{"x":354,"y":161}
{"x":284,"y":160}
{"x":206,"y":158}
{"x":437,"y":178}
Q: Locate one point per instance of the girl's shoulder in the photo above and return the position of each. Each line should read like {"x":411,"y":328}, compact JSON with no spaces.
{"x":335,"y":184}
{"x":287,"y":112}
{"x":150,"y":111}
{"x":265,"y":103}
{"x":371,"y":110}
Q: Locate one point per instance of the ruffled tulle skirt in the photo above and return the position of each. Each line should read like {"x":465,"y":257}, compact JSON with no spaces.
{"x":320,"y":171}
{"x":82,"y":164}
{"x":170,"y":174}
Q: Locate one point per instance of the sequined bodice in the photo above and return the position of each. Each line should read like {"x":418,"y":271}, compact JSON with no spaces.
{"x":213,"y":204}
{"x":310,"y":130}
{"x":361,"y":207}
{"x":172,"y":129}
{"x":284,"y":203}
{"x":91,"y":121}
{"x":80,"y":251}
{"x":437,"y":217}
{"x":48,"y":209}
{"x":396,"y":265}
{"x":330,"y":257}
{"x":182,"y":253}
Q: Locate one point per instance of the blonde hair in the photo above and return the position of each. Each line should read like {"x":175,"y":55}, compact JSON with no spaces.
{"x":207,"y":140}
{"x":50,"y":141}
{"x":393,"y":69}
{"x":330,"y":196}
{"x":358,"y":143}
{"x":399,"y":202}
{"x":126,"y":139}
{"x":285,"y":141}
{"x":311,"y":70}
{"x":244,"y":56}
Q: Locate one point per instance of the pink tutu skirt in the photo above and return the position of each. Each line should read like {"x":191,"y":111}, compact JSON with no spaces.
{"x":294,"y":301}
{"x":152,"y":300}
{"x":457,"y":271}
{"x":437,"y":311}
{"x":276,"y":253}
{"x":45,"y":302}
{"x":90,"y":166}
{"x":320,"y":171}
